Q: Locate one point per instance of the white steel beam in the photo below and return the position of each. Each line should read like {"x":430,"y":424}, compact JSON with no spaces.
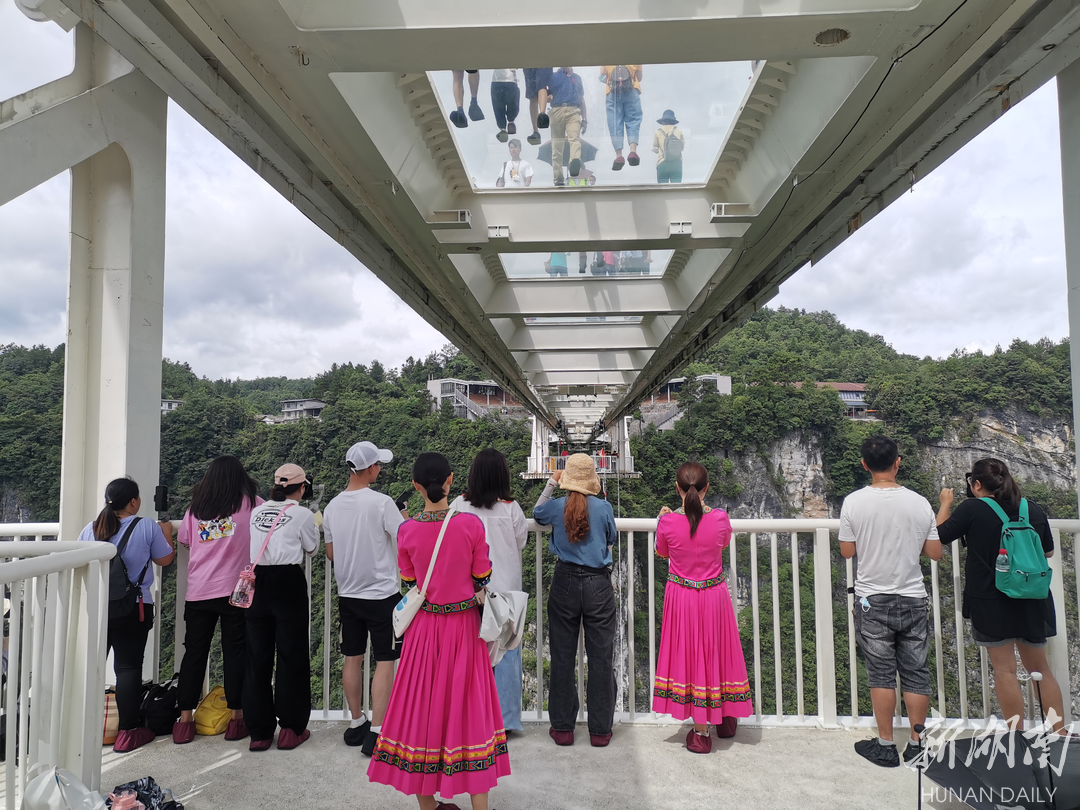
{"x":585,"y":296}
{"x":577,"y":361}
{"x":582,"y":378}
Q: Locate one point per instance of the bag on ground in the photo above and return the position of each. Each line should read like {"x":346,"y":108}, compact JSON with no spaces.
{"x":112,"y":718}
{"x":152,"y":795}
{"x":213,"y":714}
{"x":1029,"y":573}
{"x":57,"y":789}
{"x":159,"y":708}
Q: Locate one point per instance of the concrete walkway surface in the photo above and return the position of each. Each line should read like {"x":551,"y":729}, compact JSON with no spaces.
{"x":644,"y":768}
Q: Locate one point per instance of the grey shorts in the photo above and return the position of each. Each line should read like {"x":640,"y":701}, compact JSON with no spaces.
{"x":893,"y":635}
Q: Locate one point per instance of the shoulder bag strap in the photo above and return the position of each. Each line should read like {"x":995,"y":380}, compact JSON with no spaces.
{"x":273,"y":526}
{"x":438,"y":545}
{"x":997,"y":509}
{"x":123,"y":544}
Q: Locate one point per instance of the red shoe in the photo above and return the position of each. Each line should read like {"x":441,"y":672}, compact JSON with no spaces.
{"x":445,"y":806}
{"x":600,"y":740}
{"x":698,"y":743}
{"x":132,"y":738}
{"x":618,"y":164}
{"x":260,"y":745}
{"x":561,"y":737}
{"x":237,"y":729}
{"x":727,"y":728}
{"x":287,"y":739}
{"x":633,"y":159}
{"x":183,"y":731}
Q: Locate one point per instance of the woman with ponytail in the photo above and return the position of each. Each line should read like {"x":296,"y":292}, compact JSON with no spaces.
{"x":700,"y":670}
{"x":443,"y":733}
{"x":1000,"y":623}
{"x":146,"y":542}
{"x":582,"y":533}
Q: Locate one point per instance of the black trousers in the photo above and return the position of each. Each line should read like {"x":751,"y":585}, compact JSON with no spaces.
{"x":581,"y":596}
{"x":126,"y":637}
{"x":277,"y":622}
{"x":201,"y":618}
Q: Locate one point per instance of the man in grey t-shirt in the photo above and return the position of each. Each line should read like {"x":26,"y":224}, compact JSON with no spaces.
{"x":889,"y":527}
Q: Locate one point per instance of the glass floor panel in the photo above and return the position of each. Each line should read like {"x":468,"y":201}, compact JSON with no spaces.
{"x":703,"y":97}
{"x":624,"y":264}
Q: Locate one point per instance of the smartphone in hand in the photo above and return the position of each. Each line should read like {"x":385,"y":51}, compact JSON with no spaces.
{"x":402,"y":500}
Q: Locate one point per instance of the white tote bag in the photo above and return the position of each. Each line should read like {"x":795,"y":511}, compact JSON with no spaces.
{"x":410,"y":603}
{"x":503,"y":624}
{"x":57,"y":789}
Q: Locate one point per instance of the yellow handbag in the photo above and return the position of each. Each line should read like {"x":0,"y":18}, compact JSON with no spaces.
{"x":213,"y":715}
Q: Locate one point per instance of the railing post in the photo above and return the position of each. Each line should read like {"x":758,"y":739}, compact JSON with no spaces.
{"x":1058,"y":646}
{"x":823,"y":627}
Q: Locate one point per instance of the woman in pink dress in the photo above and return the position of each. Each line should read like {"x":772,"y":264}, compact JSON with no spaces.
{"x":700,"y":672}
{"x":443,"y":732}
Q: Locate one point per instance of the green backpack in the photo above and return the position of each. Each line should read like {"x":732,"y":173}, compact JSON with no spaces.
{"x":1029,"y":573}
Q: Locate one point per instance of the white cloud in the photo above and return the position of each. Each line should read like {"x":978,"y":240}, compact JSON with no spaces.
{"x":973,"y":257}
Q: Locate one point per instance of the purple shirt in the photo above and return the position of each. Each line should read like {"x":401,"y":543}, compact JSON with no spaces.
{"x":146,"y":543}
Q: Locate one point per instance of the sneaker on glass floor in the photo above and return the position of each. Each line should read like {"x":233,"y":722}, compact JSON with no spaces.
{"x":534,"y":139}
{"x":884,"y":755}
{"x":475,"y":113}
{"x":355,"y":735}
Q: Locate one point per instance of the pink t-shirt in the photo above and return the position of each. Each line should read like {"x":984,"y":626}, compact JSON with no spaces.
{"x":462,"y":562}
{"x":219,"y":552}
{"x":697,"y":558}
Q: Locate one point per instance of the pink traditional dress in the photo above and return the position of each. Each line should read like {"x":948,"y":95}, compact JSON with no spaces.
{"x":443,"y":732}
{"x":700,"y":672}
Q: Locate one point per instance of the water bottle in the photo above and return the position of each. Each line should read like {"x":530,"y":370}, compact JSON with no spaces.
{"x":1002,"y":564}
{"x":244,"y":591}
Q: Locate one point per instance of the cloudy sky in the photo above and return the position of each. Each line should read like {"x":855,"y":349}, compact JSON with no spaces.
{"x":973,"y":258}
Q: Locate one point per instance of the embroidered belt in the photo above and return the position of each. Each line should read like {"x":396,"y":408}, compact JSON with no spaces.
{"x":456,"y":607}
{"x":697,"y":584}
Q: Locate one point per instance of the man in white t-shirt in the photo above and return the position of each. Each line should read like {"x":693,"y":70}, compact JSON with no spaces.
{"x":515,"y":173}
{"x":360,"y":529}
{"x":888,"y":528}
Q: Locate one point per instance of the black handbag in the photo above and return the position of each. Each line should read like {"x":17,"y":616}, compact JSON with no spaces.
{"x":160,"y":708}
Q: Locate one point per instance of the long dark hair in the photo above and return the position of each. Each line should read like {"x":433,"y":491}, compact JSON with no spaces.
{"x":118,"y":494}
{"x":489,"y":479}
{"x":998,"y":481}
{"x":223,"y":489}
{"x":576,"y":517}
{"x":692,"y":479}
{"x":430,"y":470}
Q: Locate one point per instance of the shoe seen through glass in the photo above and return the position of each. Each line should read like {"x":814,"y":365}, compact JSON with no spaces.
{"x":884,"y":755}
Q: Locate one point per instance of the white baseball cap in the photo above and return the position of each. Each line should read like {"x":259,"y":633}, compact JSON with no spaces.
{"x":364,"y":454}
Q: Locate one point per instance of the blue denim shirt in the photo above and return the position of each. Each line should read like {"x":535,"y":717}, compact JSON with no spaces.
{"x":595,"y":549}
{"x":566,"y":90}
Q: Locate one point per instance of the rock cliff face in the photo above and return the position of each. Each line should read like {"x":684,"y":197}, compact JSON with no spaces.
{"x":12,"y":511}
{"x":788,"y":478}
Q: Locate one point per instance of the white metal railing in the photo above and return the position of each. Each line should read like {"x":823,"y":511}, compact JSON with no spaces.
{"x":604,"y":463}
{"x":55,"y":652}
{"x":763,"y":548}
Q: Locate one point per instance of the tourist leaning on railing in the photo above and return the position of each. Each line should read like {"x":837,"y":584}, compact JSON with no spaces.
{"x":217,"y":530}
{"x":1002,"y":624}
{"x":700,"y":671}
{"x":279,"y":616}
{"x":488,"y":497}
{"x":129,"y":626}
{"x":443,"y":731}
{"x":582,"y":533}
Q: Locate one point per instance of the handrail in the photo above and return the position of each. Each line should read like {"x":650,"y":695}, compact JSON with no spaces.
{"x":754,"y":558}
{"x":41,"y":565}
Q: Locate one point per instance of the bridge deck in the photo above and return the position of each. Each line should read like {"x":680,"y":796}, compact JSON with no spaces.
{"x":645,"y":768}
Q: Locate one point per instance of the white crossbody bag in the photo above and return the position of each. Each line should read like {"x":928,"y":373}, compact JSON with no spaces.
{"x":410,"y":603}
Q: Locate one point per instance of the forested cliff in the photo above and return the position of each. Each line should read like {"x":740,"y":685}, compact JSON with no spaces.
{"x":776,"y":446}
